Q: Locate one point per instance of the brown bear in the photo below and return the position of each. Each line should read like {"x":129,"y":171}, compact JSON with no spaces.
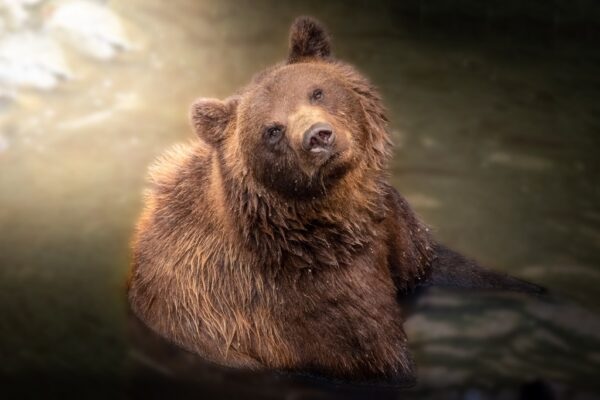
{"x":274,"y":240}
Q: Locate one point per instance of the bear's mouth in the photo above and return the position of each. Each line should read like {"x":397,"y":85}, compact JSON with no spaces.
{"x":330,"y":157}
{"x":320,"y":156}
{"x":333,"y":167}
{"x":318,"y":150}
{"x":320,"y":159}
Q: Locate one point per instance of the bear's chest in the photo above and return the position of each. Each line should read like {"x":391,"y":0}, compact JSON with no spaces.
{"x":348,"y":314}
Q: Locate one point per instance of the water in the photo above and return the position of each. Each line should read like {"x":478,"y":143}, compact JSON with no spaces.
{"x":497,"y":143}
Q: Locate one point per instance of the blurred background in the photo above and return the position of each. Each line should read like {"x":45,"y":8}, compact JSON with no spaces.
{"x":495,"y":110}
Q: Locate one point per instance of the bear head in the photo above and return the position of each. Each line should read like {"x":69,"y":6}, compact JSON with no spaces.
{"x":300,"y":127}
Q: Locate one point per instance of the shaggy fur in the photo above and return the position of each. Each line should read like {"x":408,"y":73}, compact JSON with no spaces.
{"x":255,"y":253}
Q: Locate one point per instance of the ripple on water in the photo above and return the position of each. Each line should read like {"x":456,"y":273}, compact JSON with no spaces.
{"x":568,"y":317}
{"x":439,"y":376}
{"x":422,"y":201}
{"x":488,"y":325}
{"x":525,"y":162}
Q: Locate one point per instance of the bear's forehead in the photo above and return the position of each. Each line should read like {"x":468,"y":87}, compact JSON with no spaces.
{"x":283,"y":88}
{"x":291,"y":78}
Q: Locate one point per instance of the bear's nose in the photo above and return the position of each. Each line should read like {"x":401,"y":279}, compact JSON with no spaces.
{"x":318,"y":137}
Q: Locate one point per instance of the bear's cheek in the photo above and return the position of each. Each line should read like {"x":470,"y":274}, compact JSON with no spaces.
{"x":271,"y":162}
{"x":343,"y":139}
{"x":283,"y":176}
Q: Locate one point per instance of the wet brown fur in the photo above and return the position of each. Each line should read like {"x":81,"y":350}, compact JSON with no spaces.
{"x":251,"y":273}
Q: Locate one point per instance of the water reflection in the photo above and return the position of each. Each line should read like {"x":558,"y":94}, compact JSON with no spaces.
{"x":496,"y":149}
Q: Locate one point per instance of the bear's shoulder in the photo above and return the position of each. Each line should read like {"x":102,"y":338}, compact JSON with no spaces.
{"x":179,"y":193}
{"x":178,"y":162}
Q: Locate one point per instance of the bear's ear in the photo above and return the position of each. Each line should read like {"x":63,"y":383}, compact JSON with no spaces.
{"x":308,"y":39}
{"x":210,"y":117}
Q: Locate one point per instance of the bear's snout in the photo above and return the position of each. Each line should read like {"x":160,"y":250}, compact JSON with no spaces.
{"x":318,"y":138}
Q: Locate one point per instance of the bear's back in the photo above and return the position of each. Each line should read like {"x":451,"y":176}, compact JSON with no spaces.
{"x":180,"y":243}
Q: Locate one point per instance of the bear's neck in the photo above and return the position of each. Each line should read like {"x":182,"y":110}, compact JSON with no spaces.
{"x":325,"y":232}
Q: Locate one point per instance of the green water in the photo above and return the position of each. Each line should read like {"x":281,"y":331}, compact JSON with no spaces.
{"x":497,"y":142}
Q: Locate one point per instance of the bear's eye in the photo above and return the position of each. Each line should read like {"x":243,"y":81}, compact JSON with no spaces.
{"x":316,"y":95}
{"x":274,"y":133}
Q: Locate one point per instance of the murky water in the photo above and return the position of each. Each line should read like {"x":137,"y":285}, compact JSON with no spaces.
{"x":497,"y":146}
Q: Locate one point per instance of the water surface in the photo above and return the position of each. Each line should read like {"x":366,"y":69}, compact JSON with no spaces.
{"x":497,"y":141}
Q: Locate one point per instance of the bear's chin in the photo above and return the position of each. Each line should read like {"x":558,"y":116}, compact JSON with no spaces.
{"x":294,"y":184}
